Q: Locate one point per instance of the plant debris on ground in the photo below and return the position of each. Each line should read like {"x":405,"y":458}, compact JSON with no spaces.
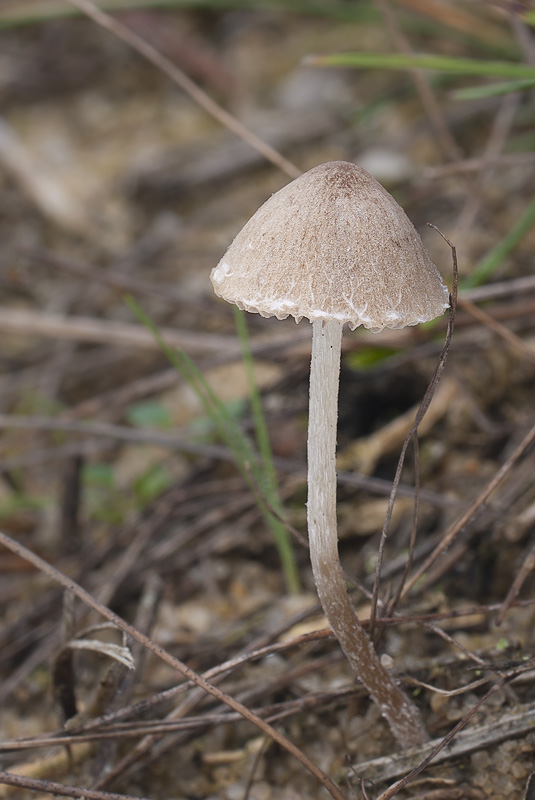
{"x":133,"y":147}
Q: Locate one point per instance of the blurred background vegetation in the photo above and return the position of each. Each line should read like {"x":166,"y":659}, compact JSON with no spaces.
{"x":115,"y":181}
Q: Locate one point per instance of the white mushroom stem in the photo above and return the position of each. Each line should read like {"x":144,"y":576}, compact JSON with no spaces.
{"x":402,"y":715}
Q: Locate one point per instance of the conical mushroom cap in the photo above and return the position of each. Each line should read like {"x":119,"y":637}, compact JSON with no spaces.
{"x":333,"y":244}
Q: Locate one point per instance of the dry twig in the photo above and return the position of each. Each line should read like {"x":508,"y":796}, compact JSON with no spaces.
{"x":465,"y":518}
{"x":173,"y":662}
{"x":181,"y":79}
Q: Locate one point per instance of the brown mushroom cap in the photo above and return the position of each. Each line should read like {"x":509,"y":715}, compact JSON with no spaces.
{"x":333,"y":244}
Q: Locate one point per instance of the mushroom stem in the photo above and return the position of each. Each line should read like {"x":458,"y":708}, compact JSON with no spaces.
{"x":402,"y":715}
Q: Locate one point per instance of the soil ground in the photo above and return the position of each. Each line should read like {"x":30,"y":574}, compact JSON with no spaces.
{"x":114,"y":182}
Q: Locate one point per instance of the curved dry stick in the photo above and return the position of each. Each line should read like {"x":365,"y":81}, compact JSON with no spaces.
{"x":459,"y":525}
{"x":436,"y":748}
{"x":59,"y":789}
{"x":195,"y":92}
{"x":413,"y":434}
{"x":175,"y":663}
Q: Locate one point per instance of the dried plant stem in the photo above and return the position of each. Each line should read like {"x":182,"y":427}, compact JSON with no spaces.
{"x":109,"y":332}
{"x":517,"y":346}
{"x":430,"y":103}
{"x":58,"y":789}
{"x":181,"y":79}
{"x":401,"y":714}
{"x":49,"y":195}
{"x":528,"y":566}
{"x":173,"y":662}
{"x":412,"y":434}
{"x":476,"y":164}
{"x":456,"y":743}
{"x":460,"y":524}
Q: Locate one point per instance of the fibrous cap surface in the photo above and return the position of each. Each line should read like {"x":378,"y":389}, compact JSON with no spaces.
{"x":333,"y":244}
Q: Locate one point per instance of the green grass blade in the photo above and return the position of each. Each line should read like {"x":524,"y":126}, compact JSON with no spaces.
{"x":227,"y":428}
{"x":493,"y":260}
{"x":397,"y":61}
{"x":19,"y":12}
{"x":239,"y":445}
{"x":492,"y":89}
{"x":268,"y":481}
{"x":261,"y":431}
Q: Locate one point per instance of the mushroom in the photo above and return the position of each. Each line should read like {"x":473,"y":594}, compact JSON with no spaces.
{"x":334,"y":246}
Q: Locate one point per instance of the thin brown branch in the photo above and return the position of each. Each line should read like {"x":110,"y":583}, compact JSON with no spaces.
{"x":181,"y":79}
{"x":50,"y":196}
{"x":491,"y":291}
{"x":173,"y":662}
{"x":452,"y":743}
{"x":58,"y":789}
{"x":465,"y":518}
{"x":527,"y":567}
{"x":504,"y":161}
{"x":261,"y":497}
{"x":275,"y":711}
{"x":434,"y":111}
{"x":515,"y":343}
{"x":495,"y":144}
{"x":118,"y":279}
{"x":452,"y":793}
{"x":120,"y":433}
{"x":424,"y":405}
{"x":392,"y":604}
{"x":455,"y":644}
{"x":109,"y":332}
